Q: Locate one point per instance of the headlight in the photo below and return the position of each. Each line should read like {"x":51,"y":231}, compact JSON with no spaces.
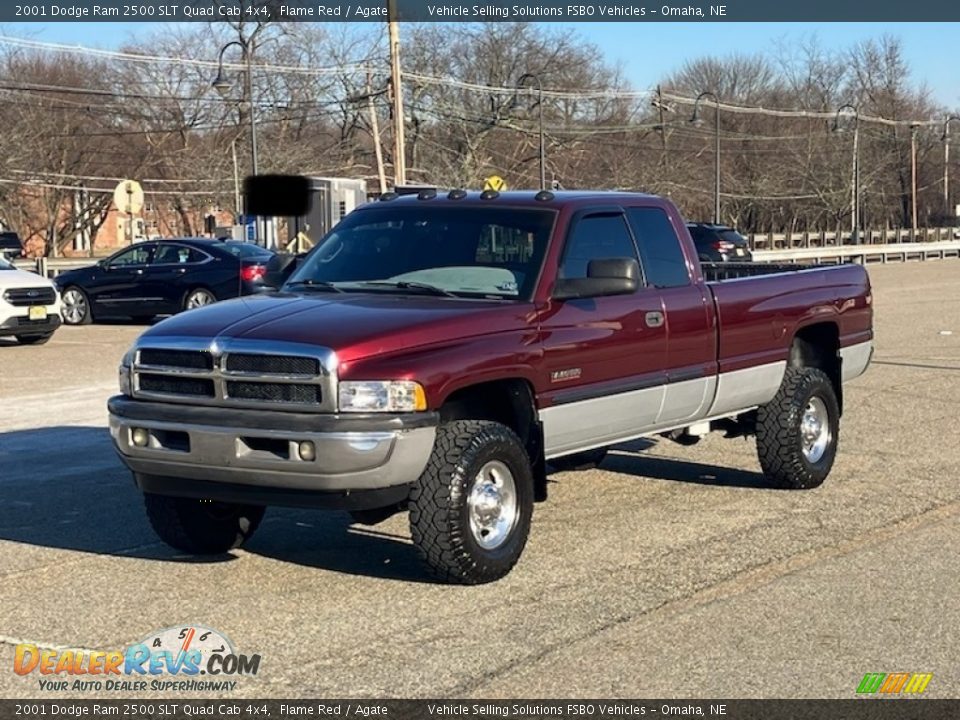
{"x":382,"y":396}
{"x":126,"y":387}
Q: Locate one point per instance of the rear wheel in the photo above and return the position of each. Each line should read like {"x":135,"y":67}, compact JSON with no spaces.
{"x":198,"y":297}
{"x":797,"y":431}
{"x":471,"y":508}
{"x":33,"y":339}
{"x":76,"y":307}
{"x":201,"y":527}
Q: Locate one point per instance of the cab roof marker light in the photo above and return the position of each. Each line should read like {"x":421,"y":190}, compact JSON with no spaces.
{"x":489,"y":195}
{"x":428,"y":194}
{"x":458,"y":194}
{"x":544,"y":196}
{"x":388,"y":196}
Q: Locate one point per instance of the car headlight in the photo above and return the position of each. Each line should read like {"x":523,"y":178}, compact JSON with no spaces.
{"x":382,"y":396}
{"x":126,"y":386}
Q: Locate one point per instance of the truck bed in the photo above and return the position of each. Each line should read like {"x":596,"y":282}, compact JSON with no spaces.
{"x":718,"y":272}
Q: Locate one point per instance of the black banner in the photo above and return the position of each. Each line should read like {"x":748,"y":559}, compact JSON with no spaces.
{"x":479,"y":10}
{"x":853,"y":709}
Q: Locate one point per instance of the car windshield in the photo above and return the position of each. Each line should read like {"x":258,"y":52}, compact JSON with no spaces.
{"x":462,"y":251}
{"x":245,"y":250}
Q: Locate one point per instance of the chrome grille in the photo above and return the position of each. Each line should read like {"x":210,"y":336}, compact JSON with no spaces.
{"x":236,"y":373}
{"x":21,"y":297}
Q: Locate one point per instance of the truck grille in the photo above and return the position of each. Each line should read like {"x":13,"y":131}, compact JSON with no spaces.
{"x":21,"y":297}
{"x":237,"y":373}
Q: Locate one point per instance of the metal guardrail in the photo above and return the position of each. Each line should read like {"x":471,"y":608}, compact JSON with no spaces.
{"x":900,"y":252}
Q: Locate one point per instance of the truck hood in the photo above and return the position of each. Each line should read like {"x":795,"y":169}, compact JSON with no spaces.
{"x":355,"y":325}
{"x":22,"y":279}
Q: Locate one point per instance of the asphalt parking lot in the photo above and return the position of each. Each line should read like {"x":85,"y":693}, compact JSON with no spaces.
{"x":669,"y":572}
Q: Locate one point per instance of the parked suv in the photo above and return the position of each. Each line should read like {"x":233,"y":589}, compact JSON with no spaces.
{"x":29,"y":305}
{"x":10,"y":245}
{"x":719,"y":243}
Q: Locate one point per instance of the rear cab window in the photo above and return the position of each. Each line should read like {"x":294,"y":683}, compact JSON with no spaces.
{"x":661,"y":254}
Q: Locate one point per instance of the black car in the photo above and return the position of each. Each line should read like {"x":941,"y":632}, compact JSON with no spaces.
{"x":719,"y":243}
{"x":162,"y":277}
{"x":10,"y":245}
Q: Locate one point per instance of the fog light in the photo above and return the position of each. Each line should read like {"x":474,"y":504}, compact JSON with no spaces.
{"x":140,"y":437}
{"x":308,"y":451}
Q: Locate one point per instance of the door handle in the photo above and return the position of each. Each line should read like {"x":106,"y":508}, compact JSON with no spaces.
{"x":654,"y":319}
{"x":138,"y":272}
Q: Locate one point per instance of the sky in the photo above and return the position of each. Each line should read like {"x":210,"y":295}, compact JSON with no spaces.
{"x":649,"y":51}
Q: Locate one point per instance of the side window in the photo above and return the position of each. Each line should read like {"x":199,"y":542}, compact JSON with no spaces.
{"x":177,"y":255}
{"x":137,"y":255}
{"x":663,"y":260}
{"x":596,"y":237}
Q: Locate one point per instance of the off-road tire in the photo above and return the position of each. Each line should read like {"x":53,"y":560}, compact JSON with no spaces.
{"x":779,"y":442}
{"x":34,"y":339}
{"x":201,"y":527}
{"x":586,"y":460}
{"x":439,"y":514}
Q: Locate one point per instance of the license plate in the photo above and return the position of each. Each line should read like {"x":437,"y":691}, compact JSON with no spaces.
{"x":37,"y":312}
{"x":739,"y":251}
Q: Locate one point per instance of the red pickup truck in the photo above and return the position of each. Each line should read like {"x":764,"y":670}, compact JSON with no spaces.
{"x":436,"y":352}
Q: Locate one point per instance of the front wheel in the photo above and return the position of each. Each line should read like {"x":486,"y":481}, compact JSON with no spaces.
{"x":76,"y":307}
{"x":797,"y":431}
{"x":201,"y":527}
{"x":198,"y":297}
{"x":471,"y":508}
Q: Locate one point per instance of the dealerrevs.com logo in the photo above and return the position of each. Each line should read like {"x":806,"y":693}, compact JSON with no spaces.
{"x":172,"y":659}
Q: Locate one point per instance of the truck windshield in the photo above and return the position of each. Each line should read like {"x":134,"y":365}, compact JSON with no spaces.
{"x":462,"y":251}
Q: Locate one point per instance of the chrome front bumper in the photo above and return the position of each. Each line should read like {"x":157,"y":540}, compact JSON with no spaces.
{"x":262,"y":448}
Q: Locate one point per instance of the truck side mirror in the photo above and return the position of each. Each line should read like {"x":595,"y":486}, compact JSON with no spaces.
{"x":277,"y":195}
{"x":607,"y":276}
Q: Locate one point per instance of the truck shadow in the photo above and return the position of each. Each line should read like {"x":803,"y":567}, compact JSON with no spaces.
{"x":63,"y":488}
{"x":628,"y":459}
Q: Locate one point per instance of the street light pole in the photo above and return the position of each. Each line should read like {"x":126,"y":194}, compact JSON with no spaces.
{"x":716,"y":181}
{"x":543,"y":152}
{"x":946,"y":163}
{"x":855,"y":179}
{"x":223,"y":85}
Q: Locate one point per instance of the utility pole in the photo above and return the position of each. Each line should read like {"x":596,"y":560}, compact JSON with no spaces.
{"x":375,"y":129}
{"x":913,"y":173}
{"x":946,"y":165}
{"x":399,"y":146}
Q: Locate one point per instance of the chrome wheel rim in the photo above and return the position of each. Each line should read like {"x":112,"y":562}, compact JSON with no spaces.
{"x":74,"y":307}
{"x":815,"y":433}
{"x":492,"y":505}
{"x":199,"y":298}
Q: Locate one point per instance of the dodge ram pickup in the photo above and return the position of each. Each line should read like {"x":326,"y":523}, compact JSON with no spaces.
{"x":435,"y":352}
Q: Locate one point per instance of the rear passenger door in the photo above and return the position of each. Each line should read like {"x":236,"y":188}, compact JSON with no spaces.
{"x":691,"y":350}
{"x":169,"y":275}
{"x":604,"y":356}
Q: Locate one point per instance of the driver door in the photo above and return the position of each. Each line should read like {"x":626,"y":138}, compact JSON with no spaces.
{"x":120,"y":283}
{"x":604,"y":356}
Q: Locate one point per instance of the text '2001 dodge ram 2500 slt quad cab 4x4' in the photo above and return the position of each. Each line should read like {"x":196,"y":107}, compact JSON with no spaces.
{"x":435,"y":351}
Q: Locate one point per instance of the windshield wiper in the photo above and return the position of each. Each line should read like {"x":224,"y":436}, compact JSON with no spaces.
{"x":405,"y":285}
{"x":315,"y":285}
